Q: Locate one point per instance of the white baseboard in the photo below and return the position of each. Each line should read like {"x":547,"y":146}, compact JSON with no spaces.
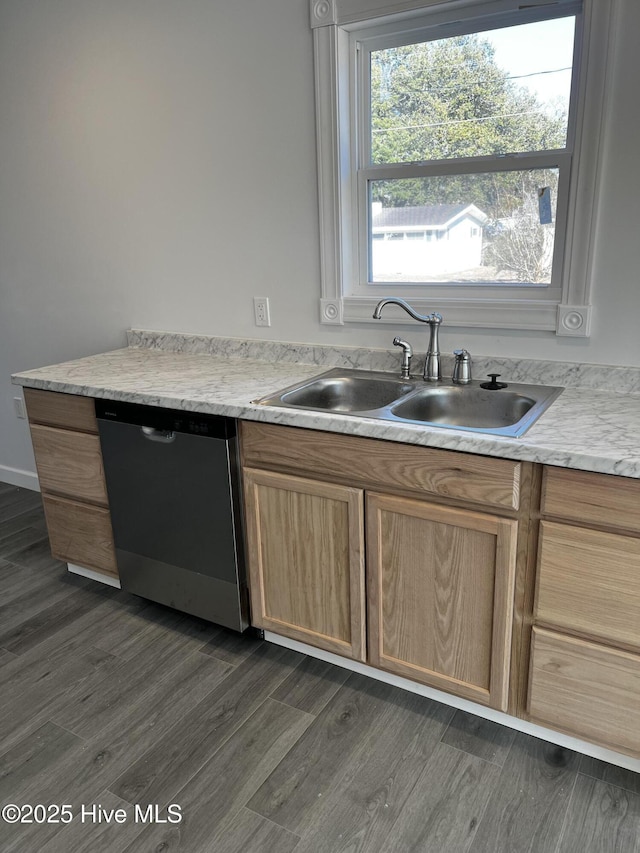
{"x":507,"y":720}
{"x":17,"y":477}
{"x":94,"y":576}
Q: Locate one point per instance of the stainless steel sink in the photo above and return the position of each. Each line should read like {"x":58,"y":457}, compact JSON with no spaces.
{"x":508,"y":411}
{"x":468,"y":406}
{"x":346,"y":393}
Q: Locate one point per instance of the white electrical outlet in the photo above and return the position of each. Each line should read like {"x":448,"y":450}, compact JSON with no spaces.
{"x":18,"y":405}
{"x":261,"y":310}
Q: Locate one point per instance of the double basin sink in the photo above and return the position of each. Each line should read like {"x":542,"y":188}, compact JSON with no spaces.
{"x":507,"y":411}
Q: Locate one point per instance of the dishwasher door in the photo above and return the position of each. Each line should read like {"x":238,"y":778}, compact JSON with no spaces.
{"x":173,"y":497}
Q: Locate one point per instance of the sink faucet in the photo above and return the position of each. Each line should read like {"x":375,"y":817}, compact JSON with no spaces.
{"x":432,"y":361}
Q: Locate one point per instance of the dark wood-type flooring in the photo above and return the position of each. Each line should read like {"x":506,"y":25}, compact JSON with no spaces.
{"x":110,"y":701}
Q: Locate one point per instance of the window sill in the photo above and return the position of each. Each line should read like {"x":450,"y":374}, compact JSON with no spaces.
{"x":526,"y":315}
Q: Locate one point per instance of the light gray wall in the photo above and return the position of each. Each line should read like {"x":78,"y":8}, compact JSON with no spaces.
{"x":157,"y":169}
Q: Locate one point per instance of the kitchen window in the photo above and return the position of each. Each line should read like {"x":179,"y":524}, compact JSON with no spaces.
{"x":478,"y":123}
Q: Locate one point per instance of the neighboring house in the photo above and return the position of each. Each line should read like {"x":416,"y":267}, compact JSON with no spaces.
{"x":418,"y":243}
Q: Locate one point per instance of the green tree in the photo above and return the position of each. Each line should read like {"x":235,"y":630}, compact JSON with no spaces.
{"x":449,"y":99}
{"x":444,"y":99}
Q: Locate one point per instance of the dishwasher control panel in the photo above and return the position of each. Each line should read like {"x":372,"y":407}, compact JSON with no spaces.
{"x":175,"y":420}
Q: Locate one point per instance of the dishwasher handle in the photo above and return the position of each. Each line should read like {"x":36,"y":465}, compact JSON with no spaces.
{"x":164,"y":436}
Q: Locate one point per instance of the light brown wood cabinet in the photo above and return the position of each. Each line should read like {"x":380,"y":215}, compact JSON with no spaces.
{"x":306,"y":560}
{"x":499,"y":581}
{"x":585,"y":660}
{"x":441,"y":583}
{"x":586,"y":689}
{"x":69,"y":462}
{"x":440,"y":575}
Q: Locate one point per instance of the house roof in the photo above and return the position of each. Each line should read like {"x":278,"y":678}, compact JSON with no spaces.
{"x":425,"y":216}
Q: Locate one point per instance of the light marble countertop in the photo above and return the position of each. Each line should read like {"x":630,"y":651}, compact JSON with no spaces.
{"x":586,"y":428}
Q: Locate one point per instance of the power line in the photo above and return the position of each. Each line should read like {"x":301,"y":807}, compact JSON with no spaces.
{"x":454,"y":121}
{"x":538,"y":73}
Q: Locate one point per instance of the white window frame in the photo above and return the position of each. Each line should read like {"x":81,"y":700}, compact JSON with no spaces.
{"x":566,"y":308}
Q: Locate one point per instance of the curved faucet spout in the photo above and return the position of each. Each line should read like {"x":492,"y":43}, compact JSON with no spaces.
{"x":432,"y":361}
{"x":395,"y":300}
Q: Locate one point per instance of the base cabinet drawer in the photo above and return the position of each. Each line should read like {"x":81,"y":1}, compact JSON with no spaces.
{"x":81,"y":534}
{"x":585,"y":689}
{"x":69,"y":463}
{"x":589,"y":584}
{"x":588,"y":498}
{"x":67,"y":411}
{"x":66,"y":445}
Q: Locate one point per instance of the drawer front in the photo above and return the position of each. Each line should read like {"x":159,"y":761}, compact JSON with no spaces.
{"x":81,"y":534}
{"x":69,"y":463}
{"x":600,"y":499}
{"x":62,"y":410}
{"x":586,"y":690}
{"x":372,"y":463}
{"x":589,"y":583}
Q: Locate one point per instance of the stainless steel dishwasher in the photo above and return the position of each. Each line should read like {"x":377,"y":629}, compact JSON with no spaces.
{"x":173,"y":486}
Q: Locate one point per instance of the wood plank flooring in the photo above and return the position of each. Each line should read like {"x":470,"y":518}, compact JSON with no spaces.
{"x":111,"y":701}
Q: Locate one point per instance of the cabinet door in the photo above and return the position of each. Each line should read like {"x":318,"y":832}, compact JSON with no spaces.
{"x":440,"y":588}
{"x":306,"y":560}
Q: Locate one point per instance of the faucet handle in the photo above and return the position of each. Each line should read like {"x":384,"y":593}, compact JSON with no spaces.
{"x":461,"y":367}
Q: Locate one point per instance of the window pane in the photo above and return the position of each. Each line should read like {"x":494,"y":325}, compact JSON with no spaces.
{"x":496,"y":92}
{"x":490,"y":228}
